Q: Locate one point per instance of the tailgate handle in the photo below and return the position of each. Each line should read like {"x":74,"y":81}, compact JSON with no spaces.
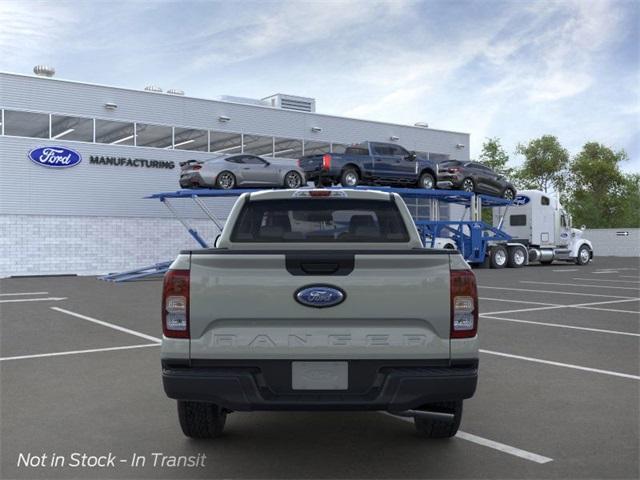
{"x":319,"y":263}
{"x":320,"y":268}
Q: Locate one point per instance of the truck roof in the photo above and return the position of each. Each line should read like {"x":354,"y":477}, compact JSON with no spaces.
{"x":312,"y":192}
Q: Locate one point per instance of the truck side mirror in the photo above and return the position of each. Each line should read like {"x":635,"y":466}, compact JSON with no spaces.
{"x":583,"y":228}
{"x":215,"y":242}
{"x":412,"y":156}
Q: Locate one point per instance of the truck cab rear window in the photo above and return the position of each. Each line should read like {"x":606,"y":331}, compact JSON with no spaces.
{"x":319,"y":220}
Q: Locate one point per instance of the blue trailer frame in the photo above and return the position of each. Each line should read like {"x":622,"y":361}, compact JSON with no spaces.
{"x":472,"y":237}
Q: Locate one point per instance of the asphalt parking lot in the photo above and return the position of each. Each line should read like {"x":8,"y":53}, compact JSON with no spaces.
{"x":558,"y":395}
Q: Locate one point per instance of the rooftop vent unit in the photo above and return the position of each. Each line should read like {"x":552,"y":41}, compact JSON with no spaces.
{"x":44,"y":71}
{"x":153,"y":88}
{"x":175,"y":91}
{"x":244,"y":100}
{"x":291,"y":102}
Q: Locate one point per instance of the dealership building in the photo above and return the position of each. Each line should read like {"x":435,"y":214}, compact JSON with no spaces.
{"x":92,"y":217}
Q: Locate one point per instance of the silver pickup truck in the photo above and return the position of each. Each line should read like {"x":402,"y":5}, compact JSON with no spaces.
{"x":320,"y":300}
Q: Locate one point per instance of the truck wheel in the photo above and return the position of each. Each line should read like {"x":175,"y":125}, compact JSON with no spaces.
{"x":517,"y":257}
{"x":498,"y":256}
{"x":226,"y":180}
{"x":508,"y":194}
{"x":201,"y":420}
{"x":349,"y":178}
{"x":584,"y":255}
{"x":437,"y":429}
{"x":427,"y":181}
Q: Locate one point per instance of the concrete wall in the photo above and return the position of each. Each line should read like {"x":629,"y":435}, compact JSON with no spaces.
{"x":607,"y":242}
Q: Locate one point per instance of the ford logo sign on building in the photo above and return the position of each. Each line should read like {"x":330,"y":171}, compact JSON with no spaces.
{"x":320,"y":296}
{"x":55,"y":157}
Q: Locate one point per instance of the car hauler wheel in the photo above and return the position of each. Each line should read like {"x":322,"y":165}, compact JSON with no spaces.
{"x":517,"y":257}
{"x":432,"y":428}
{"x":584,"y":255}
{"x":201,"y":420}
{"x":498,"y":256}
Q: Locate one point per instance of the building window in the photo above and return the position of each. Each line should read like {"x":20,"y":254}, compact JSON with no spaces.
{"x":190,"y":139}
{"x":157,"y":136}
{"x":316,"y":148}
{"x":26,"y":124}
{"x":71,"y":128}
{"x":258,"y":145}
{"x":287,"y":148}
{"x":225,"y":142}
{"x":114,"y":133}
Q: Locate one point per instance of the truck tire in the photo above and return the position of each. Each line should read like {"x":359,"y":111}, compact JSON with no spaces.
{"x":349,"y":177}
{"x":499,"y":256}
{"x":429,"y":428}
{"x":517,"y":257}
{"x":468,"y":185}
{"x":427,"y":181}
{"x":201,"y":420}
{"x":584,"y":255}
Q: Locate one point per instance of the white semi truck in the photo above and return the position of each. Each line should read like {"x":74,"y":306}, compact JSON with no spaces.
{"x":541,"y":227}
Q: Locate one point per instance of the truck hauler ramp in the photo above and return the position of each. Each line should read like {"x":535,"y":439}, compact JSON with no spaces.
{"x":538,"y":222}
{"x":320,"y":300}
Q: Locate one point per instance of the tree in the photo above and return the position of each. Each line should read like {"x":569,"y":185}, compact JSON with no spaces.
{"x":495,"y":157}
{"x":600,"y":195}
{"x":545,"y":164}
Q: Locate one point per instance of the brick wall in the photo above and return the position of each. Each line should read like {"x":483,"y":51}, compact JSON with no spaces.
{"x":44,"y":245}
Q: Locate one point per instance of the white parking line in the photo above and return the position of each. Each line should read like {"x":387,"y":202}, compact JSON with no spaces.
{"x":76,"y":352}
{"x":518,"y":301}
{"x":23,"y":293}
{"x":560,"y":364}
{"x":535,"y":309}
{"x":485,"y":442}
{"x":107,"y":324}
{"x":567,"y":270}
{"x":604,"y":280}
{"x":555,"y":292}
{"x":628,"y":276}
{"x":581,"y":285}
{"x":560,"y":325}
{"x":586,"y":306}
{"x":47,"y":299}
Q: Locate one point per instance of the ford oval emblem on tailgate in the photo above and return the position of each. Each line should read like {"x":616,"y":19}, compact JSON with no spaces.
{"x":320,"y":296}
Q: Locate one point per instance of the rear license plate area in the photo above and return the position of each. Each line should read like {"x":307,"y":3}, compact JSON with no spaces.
{"x":319,"y":375}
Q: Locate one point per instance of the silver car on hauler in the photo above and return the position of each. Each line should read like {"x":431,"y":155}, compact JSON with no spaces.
{"x":241,"y":170}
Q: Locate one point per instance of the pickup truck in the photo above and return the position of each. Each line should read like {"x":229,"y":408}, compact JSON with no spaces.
{"x":318,"y":299}
{"x":371,"y":163}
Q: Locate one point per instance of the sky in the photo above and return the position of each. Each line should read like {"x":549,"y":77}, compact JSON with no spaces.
{"x":509,"y":69}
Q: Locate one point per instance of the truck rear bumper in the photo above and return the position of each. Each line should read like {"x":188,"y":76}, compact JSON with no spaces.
{"x":373,"y":385}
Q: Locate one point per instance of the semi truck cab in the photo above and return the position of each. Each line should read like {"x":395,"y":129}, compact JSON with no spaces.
{"x":538,"y":221}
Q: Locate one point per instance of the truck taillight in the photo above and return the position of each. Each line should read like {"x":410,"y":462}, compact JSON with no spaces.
{"x":326,"y":161}
{"x":453,"y":170}
{"x":464,"y":304}
{"x":196,"y":167}
{"x":299,"y":162}
{"x":175,"y":304}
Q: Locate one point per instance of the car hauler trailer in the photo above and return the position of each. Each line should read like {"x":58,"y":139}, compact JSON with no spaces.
{"x":497,"y":245}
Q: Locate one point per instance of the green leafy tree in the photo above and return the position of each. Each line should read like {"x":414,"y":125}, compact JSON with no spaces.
{"x":545,"y":164}
{"x":600,"y":195}
{"x":494,"y":156}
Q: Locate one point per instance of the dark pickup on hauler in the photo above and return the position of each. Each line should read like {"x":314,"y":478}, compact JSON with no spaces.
{"x":371,"y":163}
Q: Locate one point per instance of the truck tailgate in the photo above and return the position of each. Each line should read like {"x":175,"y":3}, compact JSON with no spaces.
{"x":243,"y":306}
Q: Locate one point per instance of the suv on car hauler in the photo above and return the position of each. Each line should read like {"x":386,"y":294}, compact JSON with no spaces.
{"x":320,"y":300}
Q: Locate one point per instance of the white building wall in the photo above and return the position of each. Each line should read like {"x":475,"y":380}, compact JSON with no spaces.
{"x":612,"y":242}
